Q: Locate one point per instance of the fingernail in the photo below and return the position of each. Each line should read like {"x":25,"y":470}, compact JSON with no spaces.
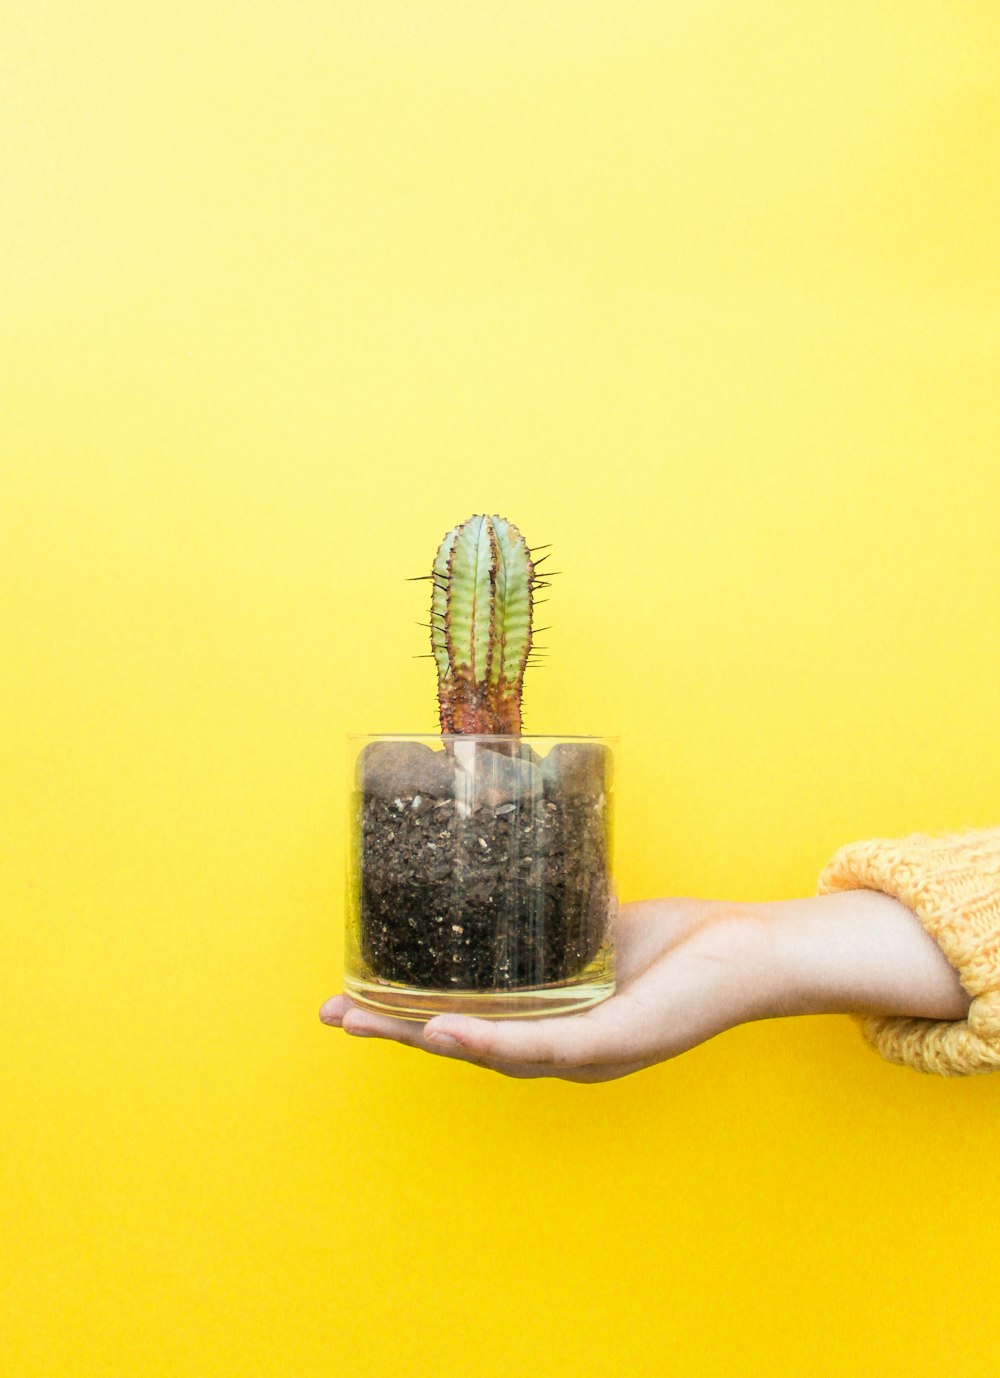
{"x":332,"y":1019}
{"x":444,"y":1039}
{"x":360,"y":1033}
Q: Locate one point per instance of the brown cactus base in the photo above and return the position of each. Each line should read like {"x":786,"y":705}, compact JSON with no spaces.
{"x":511,"y":893}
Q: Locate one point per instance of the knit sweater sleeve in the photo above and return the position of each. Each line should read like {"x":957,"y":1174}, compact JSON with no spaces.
{"x":952,"y":884}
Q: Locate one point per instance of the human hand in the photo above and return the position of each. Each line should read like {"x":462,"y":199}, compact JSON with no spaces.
{"x":679,"y":981}
{"x":689,"y":969}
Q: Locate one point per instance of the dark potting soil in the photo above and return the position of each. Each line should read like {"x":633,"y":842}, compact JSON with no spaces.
{"x":510,"y":890}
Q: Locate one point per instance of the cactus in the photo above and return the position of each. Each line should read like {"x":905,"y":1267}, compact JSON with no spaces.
{"x":481,"y":610}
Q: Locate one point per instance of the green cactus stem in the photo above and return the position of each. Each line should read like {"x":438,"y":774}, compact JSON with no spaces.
{"x":481,"y":610}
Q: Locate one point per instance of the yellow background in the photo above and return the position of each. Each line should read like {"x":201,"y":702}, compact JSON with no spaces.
{"x":707,"y":296}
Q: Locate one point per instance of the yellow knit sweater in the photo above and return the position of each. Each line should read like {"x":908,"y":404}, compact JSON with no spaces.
{"x":952,"y":883}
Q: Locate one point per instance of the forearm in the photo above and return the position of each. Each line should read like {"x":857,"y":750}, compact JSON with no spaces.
{"x":859,"y":951}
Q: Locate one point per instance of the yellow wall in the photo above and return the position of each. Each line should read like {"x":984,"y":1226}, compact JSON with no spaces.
{"x":705,"y":294}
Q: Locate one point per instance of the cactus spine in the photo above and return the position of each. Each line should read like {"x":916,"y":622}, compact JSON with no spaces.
{"x":481,"y":610}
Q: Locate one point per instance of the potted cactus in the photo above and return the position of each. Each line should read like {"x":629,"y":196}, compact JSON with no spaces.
{"x":480,"y":874}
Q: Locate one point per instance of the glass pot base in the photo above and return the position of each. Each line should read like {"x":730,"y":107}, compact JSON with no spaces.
{"x":412,"y":1002}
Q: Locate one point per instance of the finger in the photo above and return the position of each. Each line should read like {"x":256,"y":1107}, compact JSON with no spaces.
{"x":363,"y":1023}
{"x":595,"y":1036}
{"x":333,"y":1010}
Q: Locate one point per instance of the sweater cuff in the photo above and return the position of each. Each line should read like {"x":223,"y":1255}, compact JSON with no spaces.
{"x":952,"y":884}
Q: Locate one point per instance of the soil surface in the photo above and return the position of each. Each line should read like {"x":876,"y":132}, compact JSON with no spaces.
{"x":484,"y":873}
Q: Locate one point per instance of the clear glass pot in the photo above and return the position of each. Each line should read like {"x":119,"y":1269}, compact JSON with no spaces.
{"x":480,"y":875}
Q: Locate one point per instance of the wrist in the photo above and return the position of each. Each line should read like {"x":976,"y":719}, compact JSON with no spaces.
{"x":857,"y":951}
{"x":740,"y":942}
